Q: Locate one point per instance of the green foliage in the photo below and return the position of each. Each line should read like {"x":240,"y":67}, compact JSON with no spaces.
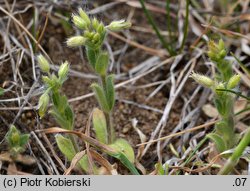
{"x":92,"y":38}
{"x":224,"y":136}
{"x":101,"y":97}
{"x":1,"y":91}
{"x":219,"y":142}
{"x":16,"y":141}
{"x":110,"y":91}
{"x":102,"y":63}
{"x":233,"y":160}
{"x":122,"y":146}
{"x":100,"y":125}
{"x":67,"y":148}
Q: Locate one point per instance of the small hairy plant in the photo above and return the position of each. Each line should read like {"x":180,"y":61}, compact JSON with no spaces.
{"x":16,"y":141}
{"x":60,"y":108}
{"x":224,"y":136}
{"x":92,"y":38}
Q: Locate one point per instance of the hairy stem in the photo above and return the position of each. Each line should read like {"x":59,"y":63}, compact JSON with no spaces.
{"x":108,"y":116}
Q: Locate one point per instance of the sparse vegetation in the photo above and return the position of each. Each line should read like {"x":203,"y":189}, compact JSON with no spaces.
{"x":122,"y":100}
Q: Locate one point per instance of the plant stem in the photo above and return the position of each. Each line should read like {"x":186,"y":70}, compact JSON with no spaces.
{"x":108,"y":116}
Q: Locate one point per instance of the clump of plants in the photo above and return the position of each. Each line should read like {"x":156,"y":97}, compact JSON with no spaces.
{"x":93,"y":33}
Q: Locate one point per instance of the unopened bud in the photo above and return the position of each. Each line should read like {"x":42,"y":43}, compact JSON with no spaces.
{"x":76,"y":41}
{"x":14,"y":136}
{"x":43,"y":104}
{"x":221,"y":44}
{"x":84,"y":16}
{"x":79,"y":22}
{"x":216,"y":51}
{"x":63,"y":70}
{"x":87,"y":34}
{"x":101,"y":29}
{"x":218,"y":89}
{"x":95,"y":23}
{"x":203,"y":80}
{"x":222,"y":53}
{"x":43,"y":63}
{"x":119,"y":25}
{"x":96,"y":37}
{"x":233,"y":81}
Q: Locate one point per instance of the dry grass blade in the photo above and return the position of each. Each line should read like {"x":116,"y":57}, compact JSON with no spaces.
{"x":84,"y":137}
{"x":26,"y":31}
{"x":105,"y":163}
{"x":160,"y":53}
{"x":74,"y":162}
{"x":180,"y":133}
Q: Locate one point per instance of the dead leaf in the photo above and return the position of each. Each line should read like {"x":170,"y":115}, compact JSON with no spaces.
{"x":210,"y":110}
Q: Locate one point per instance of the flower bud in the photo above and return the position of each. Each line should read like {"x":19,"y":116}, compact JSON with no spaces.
{"x":87,"y":34}
{"x":222,"y":53}
{"x":221,"y":44}
{"x":63,"y":70}
{"x":96,"y":37}
{"x":76,"y":41}
{"x":84,"y":16}
{"x":216,"y":51}
{"x":119,"y":25}
{"x":233,"y":81}
{"x":43,"y":104}
{"x":95,"y":24}
{"x":202,"y":79}
{"x":79,"y":22}
{"x":14,"y":136}
{"x":43,"y":63}
{"x":101,"y":29}
{"x":218,"y":88}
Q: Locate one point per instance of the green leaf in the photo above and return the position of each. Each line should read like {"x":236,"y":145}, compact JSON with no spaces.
{"x":62,"y":103}
{"x":1,"y":91}
{"x":69,"y":116}
{"x":122,"y":146}
{"x":56,"y":98}
{"x":102,"y":63}
{"x":100,"y":125}
{"x":125,"y":161}
{"x":92,"y":56}
{"x":221,"y":127}
{"x":66,"y":147}
{"x":13,"y":137}
{"x":100,"y":96}
{"x":159,"y":168}
{"x":220,"y":105}
{"x":60,"y":119}
{"x":219,"y":142}
{"x":110,"y":91}
{"x":24,"y":140}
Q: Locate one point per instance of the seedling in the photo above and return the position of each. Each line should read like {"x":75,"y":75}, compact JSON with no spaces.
{"x":16,"y":141}
{"x":224,"y":136}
